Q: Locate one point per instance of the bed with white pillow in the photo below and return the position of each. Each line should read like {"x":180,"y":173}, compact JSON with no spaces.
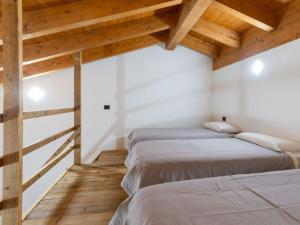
{"x":210,"y":130}
{"x":164,"y":161}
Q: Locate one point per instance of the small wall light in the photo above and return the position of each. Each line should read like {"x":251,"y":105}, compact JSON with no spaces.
{"x":257,"y":67}
{"x":36,"y":94}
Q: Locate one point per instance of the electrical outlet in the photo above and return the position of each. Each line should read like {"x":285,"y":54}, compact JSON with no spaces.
{"x":106,"y":107}
{"x":224,"y":118}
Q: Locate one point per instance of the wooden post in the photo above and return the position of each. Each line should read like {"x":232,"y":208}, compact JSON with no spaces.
{"x":77,"y":105}
{"x":13,"y":112}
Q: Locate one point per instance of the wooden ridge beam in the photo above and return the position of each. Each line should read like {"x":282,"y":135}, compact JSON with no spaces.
{"x":200,"y":46}
{"x":256,"y":41}
{"x":249,"y":11}
{"x":217,"y":33}
{"x":85,"y":13}
{"x":91,"y":55}
{"x":190,"y":13}
{"x":77,"y":42}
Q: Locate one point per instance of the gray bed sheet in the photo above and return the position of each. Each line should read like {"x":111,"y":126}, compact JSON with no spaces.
{"x":257,"y":199}
{"x":148,"y":134}
{"x":164,"y":161}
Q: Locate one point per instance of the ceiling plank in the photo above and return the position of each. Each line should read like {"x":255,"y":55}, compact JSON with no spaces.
{"x":190,"y":13}
{"x":107,"y":35}
{"x":200,"y":46}
{"x":83,"y":13}
{"x":249,"y":11}
{"x":256,"y":41}
{"x":91,"y":55}
{"x":217,"y":33}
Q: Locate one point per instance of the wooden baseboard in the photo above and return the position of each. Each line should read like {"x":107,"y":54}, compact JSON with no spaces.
{"x":105,"y":151}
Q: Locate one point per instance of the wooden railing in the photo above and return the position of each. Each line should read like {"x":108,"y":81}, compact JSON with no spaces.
{"x":13,"y":116}
{"x":16,"y":158}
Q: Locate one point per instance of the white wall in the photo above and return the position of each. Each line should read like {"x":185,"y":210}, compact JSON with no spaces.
{"x":147,"y":88}
{"x":268,"y":103}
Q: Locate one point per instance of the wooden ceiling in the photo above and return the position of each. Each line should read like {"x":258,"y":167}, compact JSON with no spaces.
{"x":53,"y":30}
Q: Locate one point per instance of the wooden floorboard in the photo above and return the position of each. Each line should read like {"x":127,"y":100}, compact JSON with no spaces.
{"x":87,"y":194}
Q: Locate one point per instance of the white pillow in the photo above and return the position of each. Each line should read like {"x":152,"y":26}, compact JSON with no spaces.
{"x":270,"y":142}
{"x":222,"y":127}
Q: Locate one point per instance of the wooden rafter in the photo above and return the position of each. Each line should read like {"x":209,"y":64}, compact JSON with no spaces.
{"x":256,"y":41}
{"x":217,"y":33}
{"x":77,"y":42}
{"x":190,"y":13}
{"x":200,"y":46}
{"x":91,"y":55}
{"x":83,"y":13}
{"x":249,"y":11}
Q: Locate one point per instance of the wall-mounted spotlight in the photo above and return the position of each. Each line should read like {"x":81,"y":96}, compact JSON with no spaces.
{"x":36,"y":94}
{"x":257,"y":67}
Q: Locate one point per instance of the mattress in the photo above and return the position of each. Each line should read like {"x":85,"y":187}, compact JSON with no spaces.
{"x":163,"y":161}
{"x":148,"y":134}
{"x":255,"y":199}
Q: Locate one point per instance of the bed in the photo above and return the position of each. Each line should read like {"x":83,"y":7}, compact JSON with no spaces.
{"x":254,"y":199}
{"x":163,"y":161}
{"x":148,"y":134}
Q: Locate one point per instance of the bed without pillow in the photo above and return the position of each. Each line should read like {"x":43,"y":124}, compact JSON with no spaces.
{"x":163,"y":161}
{"x":148,"y":134}
{"x":262,"y":199}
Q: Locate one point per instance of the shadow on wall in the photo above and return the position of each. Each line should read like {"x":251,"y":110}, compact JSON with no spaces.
{"x":116,"y":134}
{"x":121,"y":142}
{"x":120,"y":104}
{"x":170,"y":75}
{"x":118,"y":127}
{"x":253,"y":124}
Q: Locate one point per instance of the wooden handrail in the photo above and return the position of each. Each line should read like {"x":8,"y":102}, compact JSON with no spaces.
{"x":62,"y":147}
{"x":36,"y":114}
{"x":46,"y":168}
{"x":46,"y":141}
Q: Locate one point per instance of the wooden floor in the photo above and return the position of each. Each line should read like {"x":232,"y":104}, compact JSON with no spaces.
{"x":87,"y":194}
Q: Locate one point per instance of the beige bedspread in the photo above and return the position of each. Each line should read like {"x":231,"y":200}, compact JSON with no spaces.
{"x":148,"y":134}
{"x":257,"y":199}
{"x":156,"y":162}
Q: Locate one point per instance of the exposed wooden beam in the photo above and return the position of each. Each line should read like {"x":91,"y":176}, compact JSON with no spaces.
{"x":82,"y":13}
{"x":217,"y":32}
{"x":77,"y":106}
{"x":91,"y":55}
{"x":77,"y":42}
{"x":249,"y":11}
{"x":190,"y":13}
{"x":256,"y":41}
{"x":13,"y":112}
{"x":200,"y":46}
